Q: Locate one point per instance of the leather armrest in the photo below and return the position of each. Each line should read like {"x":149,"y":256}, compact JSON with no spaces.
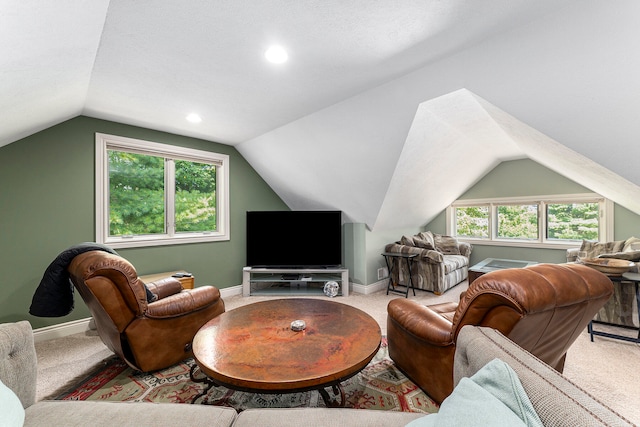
{"x":165,"y":287}
{"x":184,"y":302}
{"x":421,"y":321}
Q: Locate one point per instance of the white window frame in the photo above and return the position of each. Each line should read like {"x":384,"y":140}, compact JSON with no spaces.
{"x":106,"y":142}
{"x":605,"y":231}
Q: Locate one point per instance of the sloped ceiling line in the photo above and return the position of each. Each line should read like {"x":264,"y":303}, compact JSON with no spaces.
{"x":458,"y":138}
{"x":566,"y":162}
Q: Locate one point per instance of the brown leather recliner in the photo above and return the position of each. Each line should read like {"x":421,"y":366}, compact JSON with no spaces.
{"x":542,"y":308}
{"x":147,"y":335}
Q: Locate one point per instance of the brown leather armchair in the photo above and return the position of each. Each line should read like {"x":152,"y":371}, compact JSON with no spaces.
{"x":147,"y":335}
{"x":542,"y":308}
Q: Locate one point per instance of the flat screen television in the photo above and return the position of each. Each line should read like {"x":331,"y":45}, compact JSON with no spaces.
{"x":294,"y":239}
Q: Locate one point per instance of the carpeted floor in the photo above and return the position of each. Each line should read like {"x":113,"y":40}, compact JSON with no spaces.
{"x":606,"y":368}
{"x":379,"y":386}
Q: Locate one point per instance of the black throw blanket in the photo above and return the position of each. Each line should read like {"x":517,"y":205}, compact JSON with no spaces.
{"x":54,"y":295}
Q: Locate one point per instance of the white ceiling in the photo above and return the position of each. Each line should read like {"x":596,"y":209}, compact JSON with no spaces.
{"x":361,"y":108}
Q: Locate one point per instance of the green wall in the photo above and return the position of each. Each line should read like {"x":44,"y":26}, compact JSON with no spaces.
{"x":522,"y":178}
{"x":363,"y":249}
{"x":48,"y":204}
{"x":375,"y":242}
{"x":353,"y":254}
{"x":527,"y":178}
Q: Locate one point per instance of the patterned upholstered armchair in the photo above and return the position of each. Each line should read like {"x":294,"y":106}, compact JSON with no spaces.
{"x":620,"y":309}
{"x":442,"y":261}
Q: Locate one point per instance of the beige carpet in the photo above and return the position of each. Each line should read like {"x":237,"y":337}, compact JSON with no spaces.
{"x":608,"y":369}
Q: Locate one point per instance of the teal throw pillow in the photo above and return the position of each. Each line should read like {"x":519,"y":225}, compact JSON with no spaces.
{"x":11,"y":410}
{"x":492,"y":397}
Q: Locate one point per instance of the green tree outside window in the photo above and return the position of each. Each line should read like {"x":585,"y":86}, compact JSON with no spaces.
{"x":573,"y":221}
{"x":518,"y":222}
{"x":137,"y":195}
{"x":472,"y":221}
{"x":564,"y":221}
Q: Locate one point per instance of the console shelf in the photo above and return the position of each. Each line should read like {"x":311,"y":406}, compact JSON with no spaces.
{"x":292,"y":281}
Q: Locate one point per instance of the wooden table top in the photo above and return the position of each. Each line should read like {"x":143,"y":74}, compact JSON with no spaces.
{"x":253,"y":347}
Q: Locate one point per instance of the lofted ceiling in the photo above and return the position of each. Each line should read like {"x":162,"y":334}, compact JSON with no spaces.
{"x":378,"y":103}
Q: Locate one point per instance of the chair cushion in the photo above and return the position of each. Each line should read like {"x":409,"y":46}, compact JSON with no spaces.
{"x":445,"y":309}
{"x":446,"y":244}
{"x":427,"y":236}
{"x":300,"y":417}
{"x":407,"y":241}
{"x":594,"y":249}
{"x":454,"y":262}
{"x":104,"y":413}
{"x":421,"y":243}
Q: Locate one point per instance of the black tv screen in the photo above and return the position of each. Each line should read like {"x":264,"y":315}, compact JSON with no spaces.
{"x":294,"y":239}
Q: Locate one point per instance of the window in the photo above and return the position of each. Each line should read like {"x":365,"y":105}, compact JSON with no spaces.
{"x":573,"y":221}
{"x":151,"y":194}
{"x":472,"y":221}
{"x":516,"y":221}
{"x":548,"y":221}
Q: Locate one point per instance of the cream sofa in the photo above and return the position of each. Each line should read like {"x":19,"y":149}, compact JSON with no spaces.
{"x":557,"y":401}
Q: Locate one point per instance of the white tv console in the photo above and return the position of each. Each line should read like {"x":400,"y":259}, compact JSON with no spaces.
{"x":292,"y":281}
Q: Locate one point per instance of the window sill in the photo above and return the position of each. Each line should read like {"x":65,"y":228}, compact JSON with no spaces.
{"x":522,"y":244}
{"x":139,"y":243}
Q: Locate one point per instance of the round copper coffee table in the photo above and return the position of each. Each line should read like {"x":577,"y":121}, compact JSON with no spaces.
{"x":253,"y":348}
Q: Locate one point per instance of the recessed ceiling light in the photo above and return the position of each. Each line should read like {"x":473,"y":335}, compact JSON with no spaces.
{"x":276,"y":55}
{"x":194,"y":118}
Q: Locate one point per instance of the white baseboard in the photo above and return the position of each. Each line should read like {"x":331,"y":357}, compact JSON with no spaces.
{"x":380,"y":285}
{"x":62,"y":330}
{"x":231,"y":291}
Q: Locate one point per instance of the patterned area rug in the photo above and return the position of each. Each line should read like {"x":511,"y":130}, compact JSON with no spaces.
{"x":379,"y":386}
